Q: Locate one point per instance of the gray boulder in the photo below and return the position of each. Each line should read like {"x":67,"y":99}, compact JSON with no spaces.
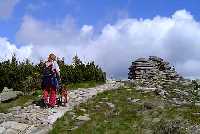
{"x":9,"y":94}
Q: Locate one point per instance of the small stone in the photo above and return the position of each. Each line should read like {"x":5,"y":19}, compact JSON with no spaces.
{"x":129,"y":89}
{"x":155,"y":113}
{"x":97,"y":106}
{"x":155,"y":120}
{"x":148,"y":131}
{"x":83,"y":110}
{"x":6,"y":89}
{"x":32,"y":130}
{"x":197,"y":104}
{"x":134,"y":125}
{"x":83,"y":118}
{"x":196,"y":113}
{"x":28,"y":103}
{"x":2,"y":130}
{"x":130,"y":100}
{"x":111,"y":105}
{"x":17,"y":108}
{"x":71,"y":113}
{"x":73,"y":128}
{"x":149,"y":105}
{"x":40,"y":131}
{"x":135,"y":100}
{"x":104,"y":98}
{"x":147,"y":119}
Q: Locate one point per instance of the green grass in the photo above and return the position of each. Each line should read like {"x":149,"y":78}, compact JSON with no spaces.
{"x":87,"y":84}
{"x":20,"y":101}
{"x":188,"y":113}
{"x":124,"y":118}
{"x":127,"y":118}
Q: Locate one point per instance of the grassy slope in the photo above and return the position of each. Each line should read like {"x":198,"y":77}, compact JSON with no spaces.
{"x":122,"y":119}
{"x":126,"y":118}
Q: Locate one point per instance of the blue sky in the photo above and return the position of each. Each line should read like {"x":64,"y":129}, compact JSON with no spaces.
{"x":92,"y":12}
{"x":111,"y":32}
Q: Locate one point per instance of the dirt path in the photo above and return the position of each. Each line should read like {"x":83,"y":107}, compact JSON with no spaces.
{"x":34,"y":120}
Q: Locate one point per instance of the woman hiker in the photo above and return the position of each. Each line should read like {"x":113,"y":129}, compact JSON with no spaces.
{"x":50,"y":81}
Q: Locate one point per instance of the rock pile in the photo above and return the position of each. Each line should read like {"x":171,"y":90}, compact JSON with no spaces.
{"x":9,"y":94}
{"x":152,"y":71}
{"x":153,"y":74}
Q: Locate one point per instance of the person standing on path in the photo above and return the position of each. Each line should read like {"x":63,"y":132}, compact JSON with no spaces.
{"x":50,"y":81}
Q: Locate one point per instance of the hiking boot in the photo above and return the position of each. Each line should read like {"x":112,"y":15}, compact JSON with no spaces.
{"x":43,"y":104}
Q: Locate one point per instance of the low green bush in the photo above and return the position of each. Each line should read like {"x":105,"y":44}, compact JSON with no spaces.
{"x":26,"y":76}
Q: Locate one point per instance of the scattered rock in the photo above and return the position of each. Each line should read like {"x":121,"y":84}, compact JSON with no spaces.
{"x":100,"y":102}
{"x":129,"y":89}
{"x":149,"y":105}
{"x":161,"y":92}
{"x":104,"y":98}
{"x":6,"y":89}
{"x":145,"y":89}
{"x":83,"y":110}
{"x":97,"y":106}
{"x":73,"y":128}
{"x":29,"y":102}
{"x":197,"y":104}
{"x":195,"y":129}
{"x":85,"y":117}
{"x":148,"y":131}
{"x":16,"y":109}
{"x":71,"y":113}
{"x":196,"y":113}
{"x":111,"y":105}
{"x":131,"y":100}
{"x":155,"y":120}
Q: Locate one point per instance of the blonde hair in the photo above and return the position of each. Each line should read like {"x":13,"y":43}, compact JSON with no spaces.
{"x":52,"y":57}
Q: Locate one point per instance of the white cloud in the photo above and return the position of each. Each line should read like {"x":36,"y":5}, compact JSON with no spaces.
{"x":175,"y":38}
{"x":86,"y":29}
{"x":7,"y":7}
{"x":8,"y":49}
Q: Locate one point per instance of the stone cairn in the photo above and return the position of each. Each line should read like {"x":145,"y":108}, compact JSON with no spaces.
{"x":152,"y":71}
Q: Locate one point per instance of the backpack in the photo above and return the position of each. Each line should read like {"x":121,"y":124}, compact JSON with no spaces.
{"x":47,"y":72}
{"x":47,"y":77}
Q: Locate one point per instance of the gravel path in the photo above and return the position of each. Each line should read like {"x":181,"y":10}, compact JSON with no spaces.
{"x":34,"y":120}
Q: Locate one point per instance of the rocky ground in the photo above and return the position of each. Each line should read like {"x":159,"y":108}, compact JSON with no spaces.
{"x":172,"y":107}
{"x":35,"y":120}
